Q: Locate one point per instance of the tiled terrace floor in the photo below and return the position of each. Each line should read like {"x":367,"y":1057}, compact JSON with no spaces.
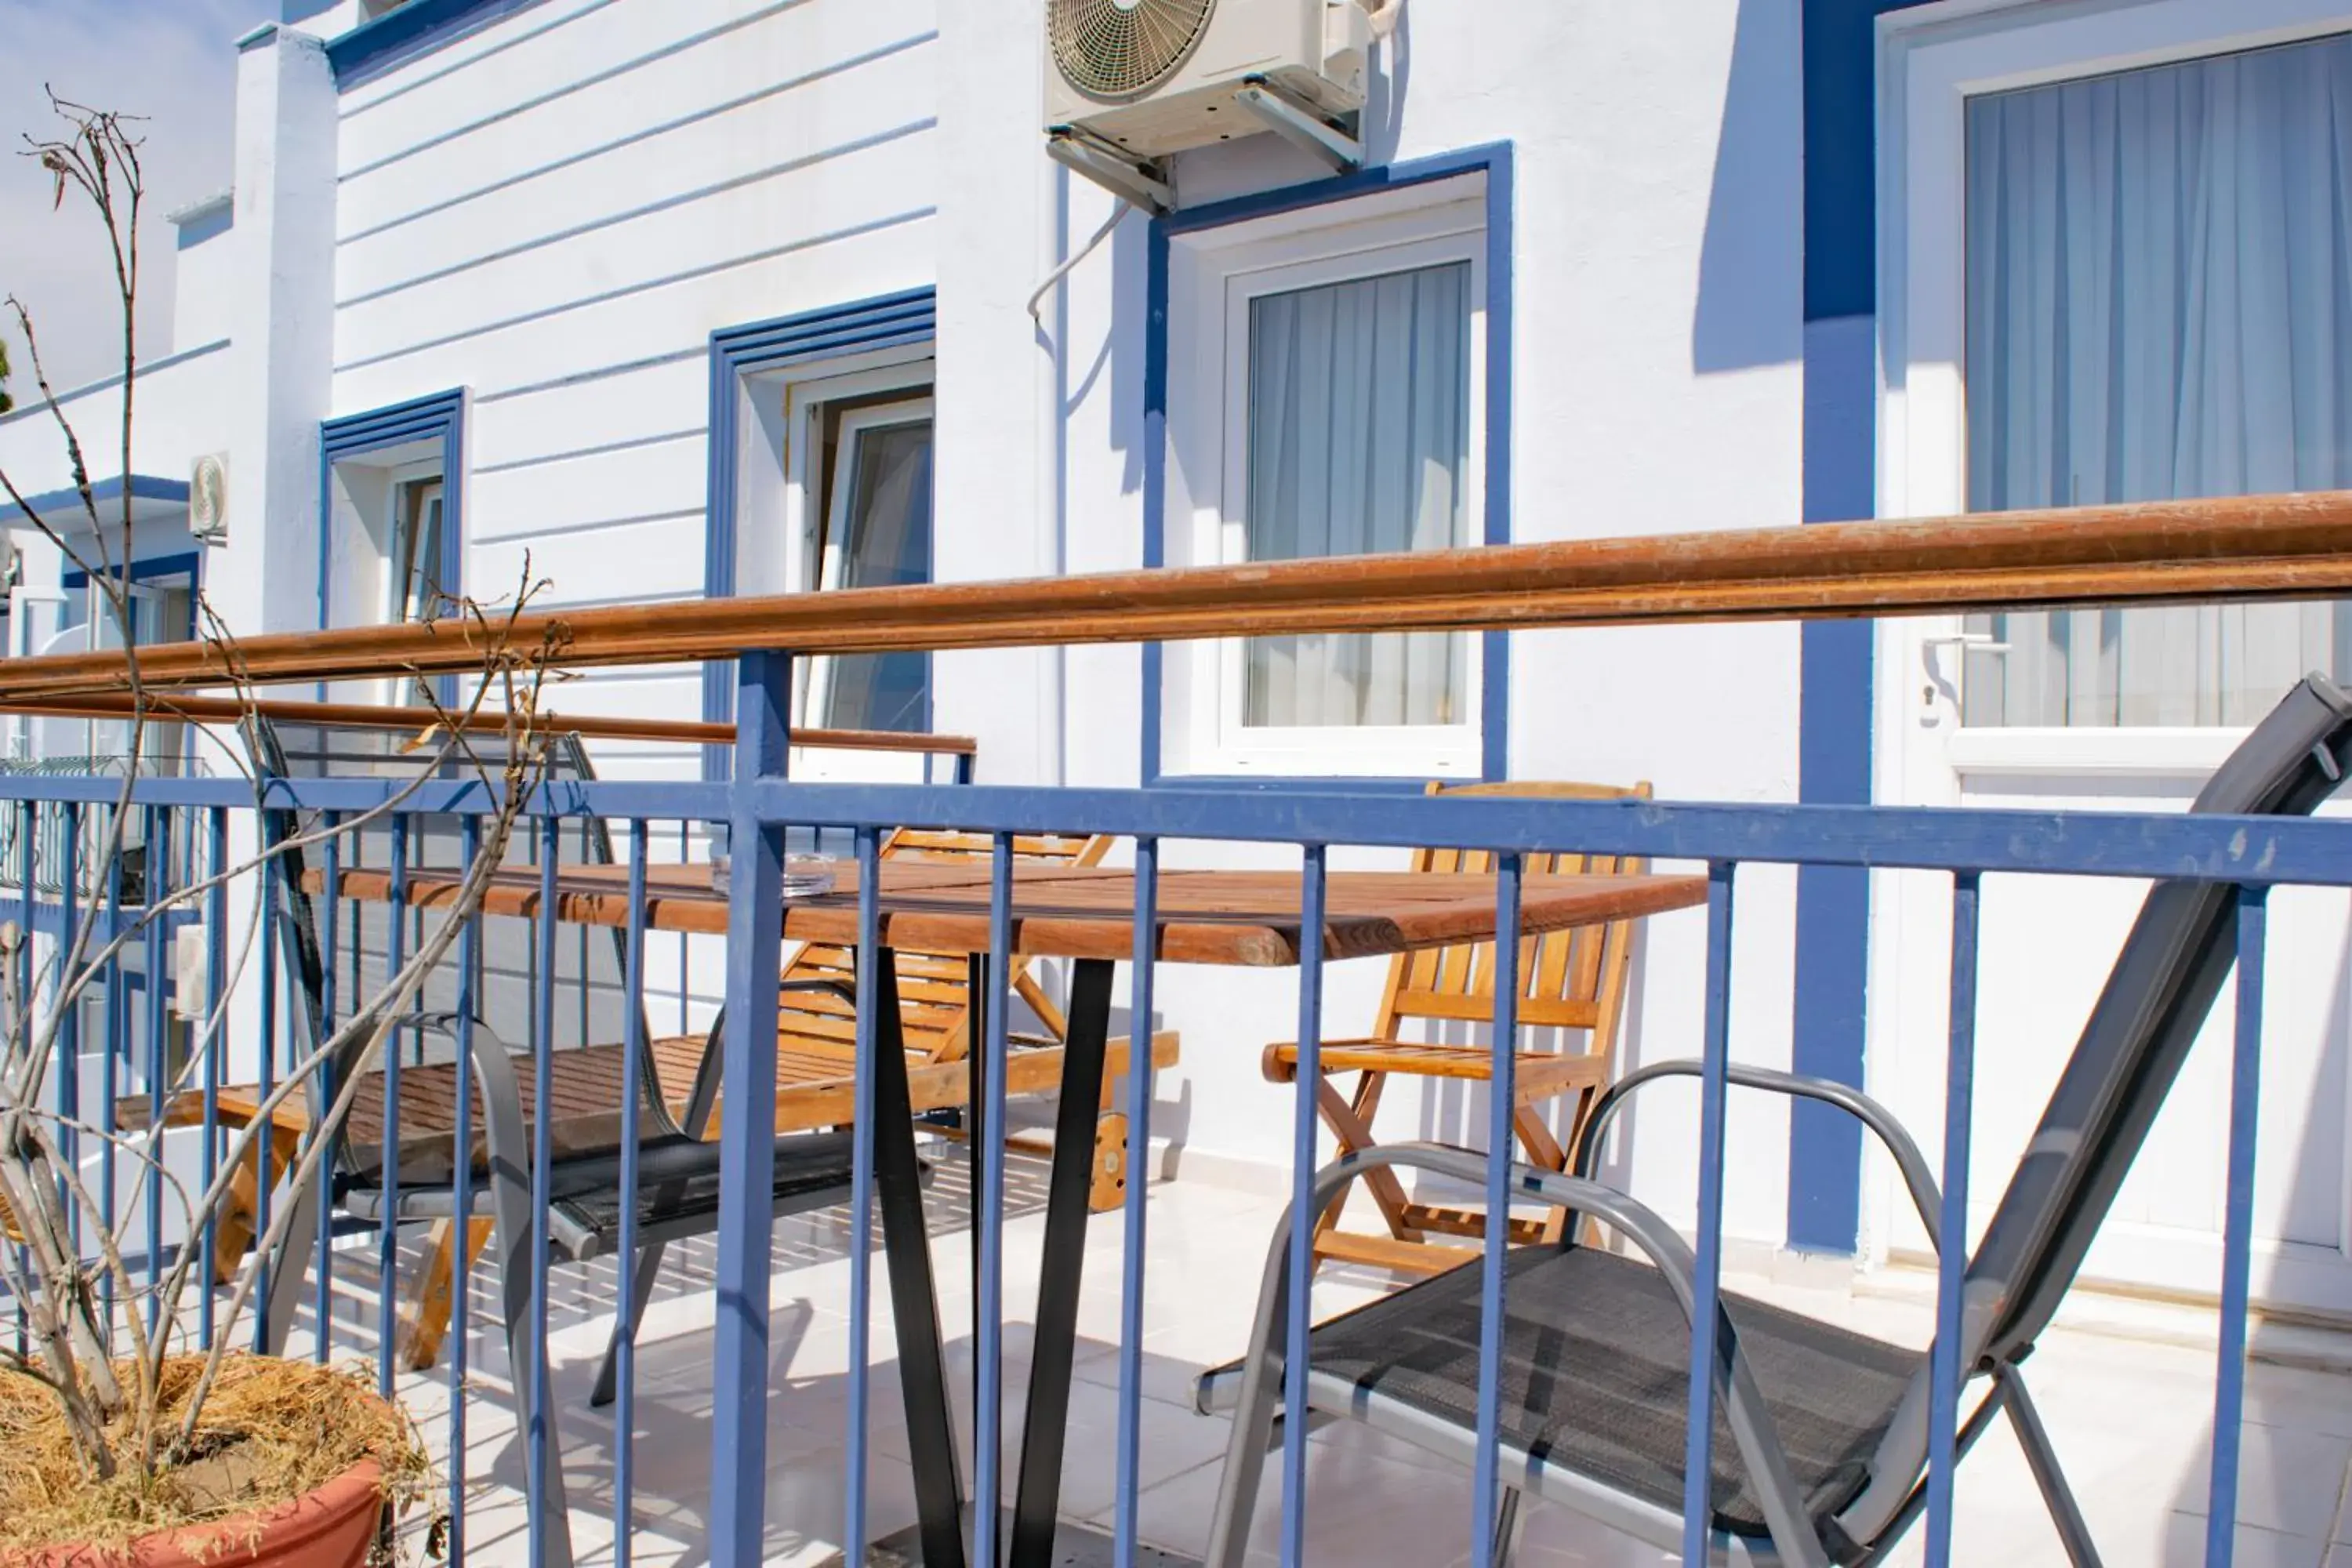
{"x":2130,"y":1417}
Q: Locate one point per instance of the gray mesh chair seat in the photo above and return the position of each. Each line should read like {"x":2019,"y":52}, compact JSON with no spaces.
{"x":1596,"y":1358}
{"x":678,"y":1191}
{"x":1821,"y":1435}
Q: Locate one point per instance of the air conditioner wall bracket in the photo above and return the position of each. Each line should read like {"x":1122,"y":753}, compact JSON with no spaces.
{"x":1139,"y":182}
{"x":1299,"y":124}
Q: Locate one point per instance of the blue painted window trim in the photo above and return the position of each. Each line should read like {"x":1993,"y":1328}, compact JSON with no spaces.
{"x":442,"y":418}
{"x":190,"y":561}
{"x":402,"y":35}
{"x":836,"y":332}
{"x":142,"y":487}
{"x":1492,"y":159}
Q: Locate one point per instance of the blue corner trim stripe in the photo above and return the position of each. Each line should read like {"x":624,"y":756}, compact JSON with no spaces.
{"x":407,"y":31}
{"x":1494,"y":160}
{"x":49,"y":504}
{"x":834,"y":332}
{"x":1837,"y":715}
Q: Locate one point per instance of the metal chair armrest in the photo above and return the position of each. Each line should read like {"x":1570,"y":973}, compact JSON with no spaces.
{"x":503,"y":1127}
{"x":1743,"y":1405}
{"x":1917,"y":1177}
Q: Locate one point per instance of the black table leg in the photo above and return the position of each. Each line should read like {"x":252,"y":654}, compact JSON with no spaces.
{"x":914,"y":1301}
{"x":1038,"y":1501}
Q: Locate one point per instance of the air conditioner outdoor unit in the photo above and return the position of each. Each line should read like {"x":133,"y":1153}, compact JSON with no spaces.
{"x":1129,"y":82}
{"x":208,"y":499}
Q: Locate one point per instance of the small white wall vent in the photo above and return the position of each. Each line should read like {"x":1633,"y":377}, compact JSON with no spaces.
{"x":1129,"y":83}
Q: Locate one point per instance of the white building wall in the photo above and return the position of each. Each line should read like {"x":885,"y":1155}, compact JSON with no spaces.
{"x":1657,"y":272}
{"x":204,"y":273}
{"x":556,"y":210}
{"x":177,"y":414}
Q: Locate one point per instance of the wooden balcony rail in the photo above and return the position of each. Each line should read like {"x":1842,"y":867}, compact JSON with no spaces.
{"x":171,"y":705}
{"x":2246,"y":548}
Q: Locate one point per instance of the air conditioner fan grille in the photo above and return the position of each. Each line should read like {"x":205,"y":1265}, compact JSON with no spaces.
{"x":1121,"y":48}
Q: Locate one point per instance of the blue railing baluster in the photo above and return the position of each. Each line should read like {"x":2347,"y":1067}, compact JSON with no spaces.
{"x":109,"y":1078}
{"x":28,"y":819}
{"x":216,"y":992}
{"x":157,"y":1067}
{"x":988,"y":1308}
{"x":542,"y":1185}
{"x":1502,"y":1100}
{"x":2237,"y":1231}
{"x":685,"y":942}
{"x":1698,"y":1508}
{"x":387,"y":1260}
{"x":861,"y":1190}
{"x":747,"y":1135}
{"x":633,"y":1087}
{"x":263,"y":1146}
{"x":461,"y":1267}
{"x":330,"y":902}
{"x":1138,"y":1155}
{"x":69,"y":1021}
{"x":1303,"y":1145}
{"x":1952,"y":1225}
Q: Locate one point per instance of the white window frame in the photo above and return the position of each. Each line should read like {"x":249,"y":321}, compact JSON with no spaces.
{"x":855,"y":422}
{"x":1213,"y":276}
{"x":403,"y":481}
{"x":1932,"y":61}
{"x":777,"y":520}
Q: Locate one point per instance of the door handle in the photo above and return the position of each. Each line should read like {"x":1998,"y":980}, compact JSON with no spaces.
{"x":1966,"y":643}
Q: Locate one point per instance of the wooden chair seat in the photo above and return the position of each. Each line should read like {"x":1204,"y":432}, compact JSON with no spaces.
{"x":1538,"y":1074}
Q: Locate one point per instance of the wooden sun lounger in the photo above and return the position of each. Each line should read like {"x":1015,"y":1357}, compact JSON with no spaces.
{"x":815,"y":1079}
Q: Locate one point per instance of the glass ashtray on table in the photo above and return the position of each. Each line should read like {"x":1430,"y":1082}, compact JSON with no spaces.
{"x":805,"y":875}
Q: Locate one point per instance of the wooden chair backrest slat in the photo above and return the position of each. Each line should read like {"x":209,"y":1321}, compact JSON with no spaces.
{"x":1569,"y":980}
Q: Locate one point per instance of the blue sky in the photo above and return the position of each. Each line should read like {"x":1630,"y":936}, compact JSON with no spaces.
{"x":170,"y":60}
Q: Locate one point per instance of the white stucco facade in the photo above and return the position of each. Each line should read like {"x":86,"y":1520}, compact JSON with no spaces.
{"x":547,"y":219}
{"x":552,"y":207}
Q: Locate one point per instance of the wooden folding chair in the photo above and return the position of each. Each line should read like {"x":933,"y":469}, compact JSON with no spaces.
{"x":1570,"y":981}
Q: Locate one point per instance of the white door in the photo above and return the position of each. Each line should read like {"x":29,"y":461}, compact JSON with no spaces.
{"x":2118,"y":257}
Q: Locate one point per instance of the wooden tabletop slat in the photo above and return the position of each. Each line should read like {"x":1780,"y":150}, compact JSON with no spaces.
{"x":1244,"y":918}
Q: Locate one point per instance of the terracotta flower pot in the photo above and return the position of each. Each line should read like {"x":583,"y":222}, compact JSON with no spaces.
{"x":332,"y":1527}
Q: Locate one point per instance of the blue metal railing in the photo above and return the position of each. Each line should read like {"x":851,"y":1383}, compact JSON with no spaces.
{"x":760,"y":804}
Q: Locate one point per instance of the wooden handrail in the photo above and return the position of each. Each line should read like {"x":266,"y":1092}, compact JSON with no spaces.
{"x":167,"y":705}
{"x":2255,"y":547}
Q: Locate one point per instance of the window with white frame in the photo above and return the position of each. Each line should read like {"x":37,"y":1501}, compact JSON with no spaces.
{"x":877,"y":533}
{"x":858,"y":500}
{"x":2159,"y":304}
{"x":391,"y":547}
{"x":413,"y":569}
{"x":1325,"y":400}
